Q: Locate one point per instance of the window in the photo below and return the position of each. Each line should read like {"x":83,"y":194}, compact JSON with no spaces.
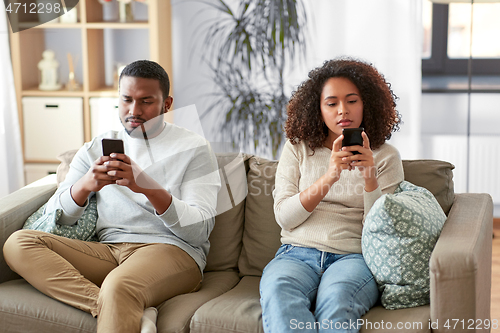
{"x":447,"y":42}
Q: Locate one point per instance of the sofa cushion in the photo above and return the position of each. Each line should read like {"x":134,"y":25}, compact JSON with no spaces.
{"x":225,"y":238}
{"x":238,"y":310}
{"x":174,"y":315}
{"x":261,"y":235}
{"x":25,"y":309}
{"x":414,"y":320}
{"x":63,"y":168}
{"x":399,"y":234}
{"x":434,"y":175}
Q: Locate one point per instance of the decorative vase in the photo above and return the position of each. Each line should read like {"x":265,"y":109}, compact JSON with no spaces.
{"x":70,"y":17}
{"x":125,"y":11}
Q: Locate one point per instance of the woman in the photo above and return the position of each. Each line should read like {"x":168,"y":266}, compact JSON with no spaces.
{"x":318,"y":280}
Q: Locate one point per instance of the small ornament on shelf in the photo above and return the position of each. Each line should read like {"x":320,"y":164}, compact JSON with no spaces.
{"x":71,"y":16}
{"x":72,"y":85}
{"x":48,"y":68}
{"x":125,"y":12}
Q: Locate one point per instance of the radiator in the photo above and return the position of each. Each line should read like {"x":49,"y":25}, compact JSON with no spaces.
{"x":484,"y":157}
{"x":484,"y":175}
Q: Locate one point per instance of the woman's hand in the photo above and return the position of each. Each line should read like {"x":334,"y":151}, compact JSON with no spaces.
{"x":312,"y":196}
{"x":364,"y":162}
{"x":339,"y":160}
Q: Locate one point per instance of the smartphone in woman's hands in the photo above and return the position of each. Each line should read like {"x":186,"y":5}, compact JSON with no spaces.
{"x":352,"y":137}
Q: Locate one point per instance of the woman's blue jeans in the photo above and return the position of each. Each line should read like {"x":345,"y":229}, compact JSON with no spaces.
{"x":307,"y":290}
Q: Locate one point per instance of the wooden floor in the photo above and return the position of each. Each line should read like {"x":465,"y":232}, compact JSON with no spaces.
{"x":495,"y":280}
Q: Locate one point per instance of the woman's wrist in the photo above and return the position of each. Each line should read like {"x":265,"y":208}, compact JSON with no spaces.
{"x":313,"y":195}
{"x":371,"y":184}
{"x":330,"y":177}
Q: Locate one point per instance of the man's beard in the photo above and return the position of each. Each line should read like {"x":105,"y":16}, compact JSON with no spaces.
{"x":150,"y":127}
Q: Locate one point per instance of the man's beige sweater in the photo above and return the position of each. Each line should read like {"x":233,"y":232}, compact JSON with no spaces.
{"x":335,"y":225}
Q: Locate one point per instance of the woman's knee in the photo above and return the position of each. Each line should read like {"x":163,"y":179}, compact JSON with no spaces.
{"x":347,"y":303}
{"x":275,"y":278}
{"x":285,"y":279}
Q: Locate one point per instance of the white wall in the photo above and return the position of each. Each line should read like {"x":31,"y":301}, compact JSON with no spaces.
{"x":191,"y":77}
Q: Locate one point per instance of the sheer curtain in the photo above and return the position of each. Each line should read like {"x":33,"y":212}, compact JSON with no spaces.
{"x":11,"y":160}
{"x":387,"y":33}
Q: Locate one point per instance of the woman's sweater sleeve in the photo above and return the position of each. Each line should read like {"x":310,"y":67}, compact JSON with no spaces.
{"x":288,"y":209}
{"x":389,"y":175}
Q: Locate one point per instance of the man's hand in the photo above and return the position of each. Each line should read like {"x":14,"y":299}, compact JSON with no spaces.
{"x":128,"y":173}
{"x":93,"y":181}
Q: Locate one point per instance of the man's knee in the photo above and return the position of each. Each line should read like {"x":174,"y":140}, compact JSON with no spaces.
{"x":16,"y":245}
{"x":118,"y":288}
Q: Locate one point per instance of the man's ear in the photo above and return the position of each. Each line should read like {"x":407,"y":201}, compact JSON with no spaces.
{"x":167,"y":103}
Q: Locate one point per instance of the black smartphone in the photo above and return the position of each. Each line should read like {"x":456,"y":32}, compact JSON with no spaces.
{"x":112,"y":146}
{"x":352,"y":137}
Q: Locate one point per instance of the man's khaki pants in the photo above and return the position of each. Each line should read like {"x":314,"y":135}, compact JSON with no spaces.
{"x":113,"y":282}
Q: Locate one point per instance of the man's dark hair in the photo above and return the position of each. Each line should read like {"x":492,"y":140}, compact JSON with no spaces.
{"x":147,"y":69}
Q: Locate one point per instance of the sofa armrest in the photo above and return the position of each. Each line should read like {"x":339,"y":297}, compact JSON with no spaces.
{"x":460,"y":266}
{"x":15,"y":208}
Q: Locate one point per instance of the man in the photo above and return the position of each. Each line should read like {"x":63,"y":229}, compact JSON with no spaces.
{"x":156,"y":206}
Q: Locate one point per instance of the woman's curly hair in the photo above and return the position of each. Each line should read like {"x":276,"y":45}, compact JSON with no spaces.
{"x":380,"y":117}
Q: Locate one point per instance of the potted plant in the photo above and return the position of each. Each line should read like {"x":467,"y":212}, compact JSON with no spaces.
{"x":250,"y":48}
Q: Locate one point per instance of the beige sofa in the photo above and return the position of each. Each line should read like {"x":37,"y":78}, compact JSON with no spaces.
{"x":246,"y":237}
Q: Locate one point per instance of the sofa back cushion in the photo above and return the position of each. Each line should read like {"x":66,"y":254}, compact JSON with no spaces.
{"x":63,"y":168}
{"x":225,"y":239}
{"x":261,"y":234}
{"x":434,"y":175}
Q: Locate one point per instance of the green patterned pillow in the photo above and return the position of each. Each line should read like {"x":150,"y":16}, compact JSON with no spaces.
{"x":83,"y":229}
{"x":399,"y":235}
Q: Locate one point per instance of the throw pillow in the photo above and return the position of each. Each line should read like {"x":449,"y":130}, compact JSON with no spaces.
{"x":83,"y":229}
{"x":399,"y":234}
{"x":63,"y":168}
